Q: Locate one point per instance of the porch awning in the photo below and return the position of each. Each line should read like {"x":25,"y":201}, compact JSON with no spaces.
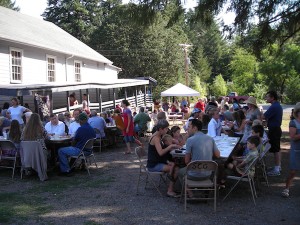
{"x":28,"y":89}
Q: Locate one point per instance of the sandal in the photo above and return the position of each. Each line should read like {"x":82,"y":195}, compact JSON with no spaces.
{"x":172,"y":195}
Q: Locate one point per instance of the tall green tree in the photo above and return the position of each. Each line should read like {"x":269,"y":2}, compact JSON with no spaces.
{"x":139,"y":50}
{"x":78,"y":17}
{"x":9,"y":4}
{"x":280,"y":65}
{"x":244,"y":70}
{"x":276,"y":20}
{"x":218,"y":87}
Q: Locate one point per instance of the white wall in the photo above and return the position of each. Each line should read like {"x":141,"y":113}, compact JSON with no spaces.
{"x":34,"y":65}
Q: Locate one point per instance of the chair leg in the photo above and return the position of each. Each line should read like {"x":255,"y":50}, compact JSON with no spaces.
{"x":231,"y":189}
{"x":138,"y":183}
{"x":252,"y":191}
{"x":13,"y":174}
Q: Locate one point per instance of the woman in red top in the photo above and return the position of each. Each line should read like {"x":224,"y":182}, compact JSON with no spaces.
{"x":128,"y":132}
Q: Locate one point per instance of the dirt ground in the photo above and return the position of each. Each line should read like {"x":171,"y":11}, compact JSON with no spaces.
{"x":109,"y":196}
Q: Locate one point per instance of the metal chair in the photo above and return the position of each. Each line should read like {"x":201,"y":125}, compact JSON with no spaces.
{"x":100,"y":141}
{"x":201,"y":176}
{"x":246,"y":178}
{"x":8,"y":152}
{"x":141,"y":155}
{"x":261,"y":164}
{"x":84,"y":156}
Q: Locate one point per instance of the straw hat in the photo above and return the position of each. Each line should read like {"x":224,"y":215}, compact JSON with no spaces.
{"x":251,"y":100}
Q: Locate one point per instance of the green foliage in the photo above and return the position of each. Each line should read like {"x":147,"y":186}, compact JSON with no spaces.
{"x":142,"y":51}
{"x":292,"y":93}
{"x":244,"y":71}
{"x":199,"y":86}
{"x":259,"y":92}
{"x":9,"y":4}
{"x":80,"y":18}
{"x":218,"y":87}
{"x":279,"y":65}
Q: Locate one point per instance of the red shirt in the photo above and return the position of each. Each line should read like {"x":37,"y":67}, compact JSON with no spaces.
{"x":200,"y":105}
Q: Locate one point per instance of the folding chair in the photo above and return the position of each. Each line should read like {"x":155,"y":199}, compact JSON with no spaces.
{"x":141,"y":155}
{"x":247,"y":178}
{"x":8,"y":152}
{"x":207,"y":182}
{"x":83,"y":156}
{"x":100,"y":141}
{"x":261,"y":164}
{"x":33,"y":156}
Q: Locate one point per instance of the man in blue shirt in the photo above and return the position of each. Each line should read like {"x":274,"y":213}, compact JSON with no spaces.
{"x":83,"y":134}
{"x":274,"y":118}
{"x":97,"y":122}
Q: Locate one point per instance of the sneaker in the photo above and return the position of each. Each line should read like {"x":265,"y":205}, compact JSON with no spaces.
{"x":285,"y":193}
{"x":272,"y":168}
{"x":273,"y":173}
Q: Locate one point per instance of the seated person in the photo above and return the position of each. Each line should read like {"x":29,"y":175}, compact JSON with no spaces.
{"x":83,"y":134}
{"x":55,"y":127}
{"x":214,"y":126}
{"x":97,"y":122}
{"x":158,"y":156}
{"x":14,"y":135}
{"x":176,"y":135}
{"x":168,"y":140}
{"x":75,"y":123}
{"x":141,"y":120}
{"x":241,"y":164}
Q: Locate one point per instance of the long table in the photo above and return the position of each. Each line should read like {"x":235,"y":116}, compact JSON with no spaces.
{"x":225,"y":145}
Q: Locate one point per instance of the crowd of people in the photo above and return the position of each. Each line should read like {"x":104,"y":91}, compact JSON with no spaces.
{"x":246,"y":122}
{"x":207,"y":120}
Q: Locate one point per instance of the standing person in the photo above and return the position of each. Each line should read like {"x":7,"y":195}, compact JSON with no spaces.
{"x":273,"y":117}
{"x":16,"y":111}
{"x":128,"y":132}
{"x":72,"y":99}
{"x":294,"y":131}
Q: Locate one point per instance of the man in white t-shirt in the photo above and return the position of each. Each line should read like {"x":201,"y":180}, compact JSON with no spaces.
{"x":75,"y":124}
{"x":55,"y":127}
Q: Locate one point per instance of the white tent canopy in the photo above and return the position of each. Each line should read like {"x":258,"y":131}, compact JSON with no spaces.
{"x":180,"y":90}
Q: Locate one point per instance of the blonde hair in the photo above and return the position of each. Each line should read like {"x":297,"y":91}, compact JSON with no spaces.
{"x":166,"y":137}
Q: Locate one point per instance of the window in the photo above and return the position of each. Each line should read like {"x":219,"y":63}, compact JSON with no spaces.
{"x":77,"y":71}
{"x":16,"y":65}
{"x":51,"y":68}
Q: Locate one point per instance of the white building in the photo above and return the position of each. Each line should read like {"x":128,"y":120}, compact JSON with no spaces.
{"x":37,"y":56}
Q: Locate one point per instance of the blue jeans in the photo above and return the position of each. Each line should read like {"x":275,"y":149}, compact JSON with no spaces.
{"x":63,"y":154}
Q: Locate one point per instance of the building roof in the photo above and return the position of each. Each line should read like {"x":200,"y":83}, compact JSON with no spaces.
{"x":23,"y":29}
{"x":28,"y":89}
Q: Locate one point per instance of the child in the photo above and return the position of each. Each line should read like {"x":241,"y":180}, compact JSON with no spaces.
{"x":241,"y":164}
{"x":166,"y":141}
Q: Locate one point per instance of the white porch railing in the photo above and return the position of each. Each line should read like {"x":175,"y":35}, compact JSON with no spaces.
{"x":140,"y":100}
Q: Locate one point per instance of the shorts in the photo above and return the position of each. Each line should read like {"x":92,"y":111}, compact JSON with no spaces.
{"x":128,"y":139}
{"x":274,"y":136}
{"x":157,"y":168}
{"x":294,"y":159}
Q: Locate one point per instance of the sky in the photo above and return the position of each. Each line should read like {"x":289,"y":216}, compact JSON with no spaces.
{"x":36,"y":7}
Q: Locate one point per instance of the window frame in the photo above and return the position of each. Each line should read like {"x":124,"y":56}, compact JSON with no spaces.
{"x":47,"y":68}
{"x":80,"y":72}
{"x":11,"y":49}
